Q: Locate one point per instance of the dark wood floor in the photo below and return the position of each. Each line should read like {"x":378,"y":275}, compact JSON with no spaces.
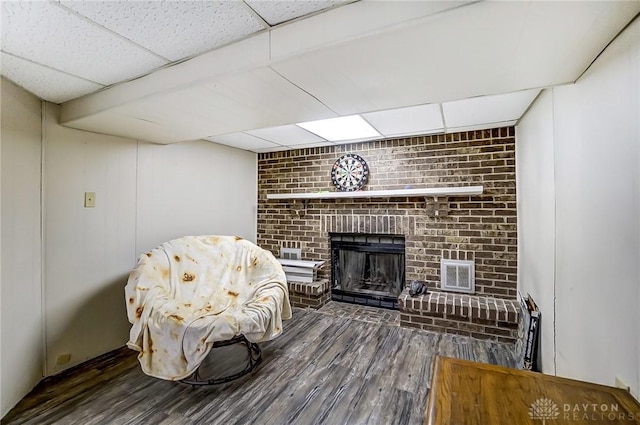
{"x":322,"y":369}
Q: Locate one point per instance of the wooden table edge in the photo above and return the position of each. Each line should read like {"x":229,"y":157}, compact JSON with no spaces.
{"x":431,"y":404}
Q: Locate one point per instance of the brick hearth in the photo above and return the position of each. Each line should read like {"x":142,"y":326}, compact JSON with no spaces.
{"x":313,"y":295}
{"x":470,"y":315}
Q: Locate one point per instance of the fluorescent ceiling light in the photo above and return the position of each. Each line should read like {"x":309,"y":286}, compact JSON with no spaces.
{"x":342,"y":128}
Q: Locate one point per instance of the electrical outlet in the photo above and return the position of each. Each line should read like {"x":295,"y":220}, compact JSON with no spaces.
{"x":89,"y":199}
{"x":621,"y":384}
{"x":63,"y":358}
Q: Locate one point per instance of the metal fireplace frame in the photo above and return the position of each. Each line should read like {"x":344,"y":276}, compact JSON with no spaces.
{"x":396,"y":247}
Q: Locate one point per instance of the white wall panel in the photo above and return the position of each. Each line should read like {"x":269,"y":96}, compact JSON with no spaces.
{"x":536,"y":218}
{"x":88,"y":251}
{"x":21,"y":261}
{"x":195,"y":188}
{"x":596,"y":157}
{"x":598,"y":204}
{"x":145,"y":195}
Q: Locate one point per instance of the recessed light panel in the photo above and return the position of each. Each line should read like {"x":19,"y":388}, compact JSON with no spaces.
{"x":342,"y":128}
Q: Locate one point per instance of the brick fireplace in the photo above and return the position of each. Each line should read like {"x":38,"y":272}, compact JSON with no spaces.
{"x":481,"y":228}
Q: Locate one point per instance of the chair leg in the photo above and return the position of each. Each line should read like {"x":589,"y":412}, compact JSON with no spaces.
{"x":254,"y":358}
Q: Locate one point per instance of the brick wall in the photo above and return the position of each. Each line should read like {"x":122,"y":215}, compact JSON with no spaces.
{"x":482,"y":228}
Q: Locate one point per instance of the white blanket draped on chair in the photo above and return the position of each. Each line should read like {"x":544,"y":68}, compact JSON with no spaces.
{"x":191,"y":292}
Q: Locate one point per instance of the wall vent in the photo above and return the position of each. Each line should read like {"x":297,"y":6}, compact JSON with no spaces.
{"x":457,"y":276}
{"x":291,"y":253}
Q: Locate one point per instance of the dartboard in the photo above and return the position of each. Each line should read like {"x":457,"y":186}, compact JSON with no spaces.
{"x":350,"y":172}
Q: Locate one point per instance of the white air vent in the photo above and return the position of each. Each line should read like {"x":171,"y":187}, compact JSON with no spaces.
{"x":457,"y":276}
{"x":291,"y":253}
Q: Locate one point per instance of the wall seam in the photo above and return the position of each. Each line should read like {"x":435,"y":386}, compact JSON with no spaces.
{"x":43,"y":301}
{"x":135,"y":210}
{"x":257,"y":199}
{"x":555,"y":235}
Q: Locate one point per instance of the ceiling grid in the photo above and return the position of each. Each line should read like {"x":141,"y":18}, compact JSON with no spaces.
{"x":245,"y":72}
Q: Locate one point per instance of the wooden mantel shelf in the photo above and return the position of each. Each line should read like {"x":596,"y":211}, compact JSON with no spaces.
{"x":429,"y":191}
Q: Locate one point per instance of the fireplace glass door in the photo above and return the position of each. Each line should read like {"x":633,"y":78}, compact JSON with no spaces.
{"x":367,"y":269}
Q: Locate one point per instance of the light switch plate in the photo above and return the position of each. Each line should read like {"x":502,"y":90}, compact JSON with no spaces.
{"x":89,"y":199}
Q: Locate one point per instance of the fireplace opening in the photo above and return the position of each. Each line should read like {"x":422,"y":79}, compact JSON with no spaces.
{"x":367,"y":269}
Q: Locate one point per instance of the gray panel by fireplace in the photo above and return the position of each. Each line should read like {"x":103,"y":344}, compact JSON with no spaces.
{"x":367,"y":269}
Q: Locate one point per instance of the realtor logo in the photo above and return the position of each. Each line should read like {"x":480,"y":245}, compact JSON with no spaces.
{"x":544,"y":408}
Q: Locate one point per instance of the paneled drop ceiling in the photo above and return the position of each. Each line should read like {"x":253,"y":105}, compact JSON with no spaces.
{"x":242,"y":73}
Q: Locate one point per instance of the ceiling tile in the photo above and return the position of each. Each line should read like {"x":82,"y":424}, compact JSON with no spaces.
{"x":313,"y":145}
{"x":173,"y":29}
{"x":405,"y":121}
{"x":342,"y":24}
{"x":228,"y":60}
{"x":488,"y":109}
{"x":287,"y":135}
{"x":364,"y":139}
{"x":131,"y":126}
{"x":46,"y":33}
{"x":242,"y":141}
{"x":46,"y":83}
{"x":482,"y":126}
{"x":273,"y":149}
{"x":568,"y":35}
{"x":284,"y":148}
{"x":279,"y":11}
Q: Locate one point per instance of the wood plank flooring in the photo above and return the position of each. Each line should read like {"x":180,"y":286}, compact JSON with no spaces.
{"x":322,"y":370}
